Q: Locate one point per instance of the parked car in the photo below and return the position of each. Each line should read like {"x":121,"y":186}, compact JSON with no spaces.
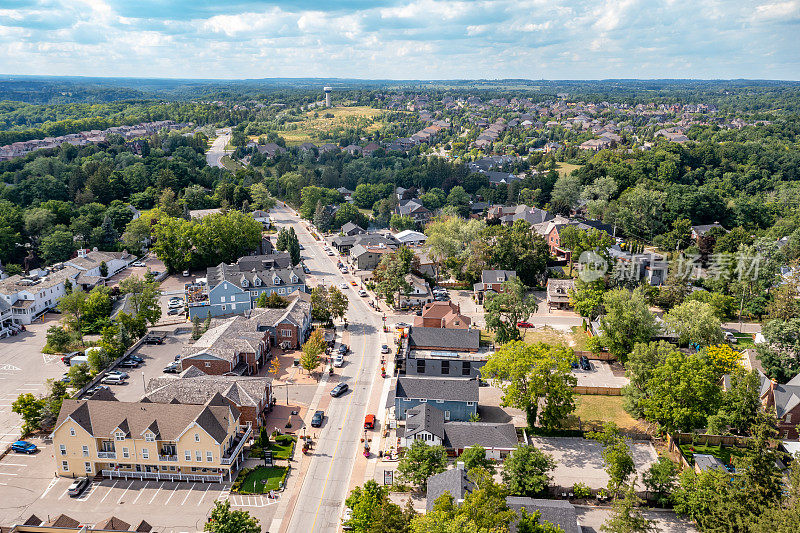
{"x":353,"y":283}
{"x":186,"y":274}
{"x":66,"y":357}
{"x":113,"y":380}
{"x":338,"y":361}
{"x":172,"y":368}
{"x":585,"y":364}
{"x":175,"y":311}
{"x":339,"y":389}
{"x":362,"y":293}
{"x":119,"y":373}
{"x":136,"y":358}
{"x":65,"y":378}
{"x":301,"y":246}
{"x":343,"y":349}
{"x":369,"y":422}
{"x":128,"y":363}
{"x":78,"y":486}
{"x":316,"y":420}
{"x":175,"y":304}
{"x":575,"y":365}
{"x":347,"y":514}
{"x":306,"y":269}
{"x":385,"y":349}
{"x":23,"y":446}
{"x":523,"y":324}
{"x":329,"y":252}
{"x":137,"y":264}
{"x":89,"y":393}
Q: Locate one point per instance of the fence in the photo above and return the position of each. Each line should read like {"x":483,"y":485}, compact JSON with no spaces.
{"x":674,"y":441}
{"x":597,"y":391}
{"x":161,"y":477}
{"x":602,"y":356}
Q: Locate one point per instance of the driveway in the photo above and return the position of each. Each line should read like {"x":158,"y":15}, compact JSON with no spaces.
{"x":581,"y":460}
{"x":599,"y":376}
{"x":592,"y":518}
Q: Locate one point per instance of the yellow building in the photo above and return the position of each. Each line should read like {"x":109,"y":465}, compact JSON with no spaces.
{"x":142,"y":440}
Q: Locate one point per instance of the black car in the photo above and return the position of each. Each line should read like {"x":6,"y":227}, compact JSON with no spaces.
{"x":136,"y":358}
{"x":339,"y":389}
{"x":343,"y":349}
{"x":585,"y":364}
{"x":316,"y":420}
{"x":128,"y":363}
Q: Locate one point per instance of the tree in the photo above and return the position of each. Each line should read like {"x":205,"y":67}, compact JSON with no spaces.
{"x":694,"y":323}
{"x":57,"y":246}
{"x":320,"y":304}
{"x":225,"y":520}
{"x":475,"y":457}
{"x":722,"y":358}
{"x":420,"y":462}
{"x":627,"y":516}
{"x":616,"y":456}
{"x":79,"y":376}
{"x":518,"y":248}
{"x":143,"y":298}
{"x":506,"y":308}
{"x":530,"y":374}
{"x":273,"y":301}
{"x":682,"y":393}
{"x":71,"y":306}
{"x":262,"y":198}
{"x":97,"y":309}
{"x":780,"y":354}
{"x":56,"y":393}
{"x":58,"y":339}
{"x":628,"y":320}
{"x":390,"y":274}
{"x":29,"y":408}
{"x":337,"y":303}
{"x":739,"y":405}
{"x":532,"y":523}
{"x":526,"y":471}
{"x":639,"y":368}
{"x":400,"y":222}
{"x":371,"y":511}
{"x":566,"y":192}
{"x":312,"y":349}
{"x":661,"y":480}
{"x":587,"y":298}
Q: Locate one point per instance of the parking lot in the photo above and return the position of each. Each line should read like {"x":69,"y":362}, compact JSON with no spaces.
{"x":581,"y":460}
{"x":599,"y":376}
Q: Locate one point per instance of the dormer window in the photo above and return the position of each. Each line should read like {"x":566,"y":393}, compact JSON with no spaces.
{"x":294,"y":278}
{"x":119,"y":435}
{"x":276,"y":280}
{"x":244,"y":283}
{"x":149,"y":437}
{"x":257,"y":282}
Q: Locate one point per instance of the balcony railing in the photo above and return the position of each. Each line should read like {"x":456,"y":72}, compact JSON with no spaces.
{"x":231,"y":454}
{"x":106,"y":455}
{"x":162,"y":476}
{"x":167,"y":457}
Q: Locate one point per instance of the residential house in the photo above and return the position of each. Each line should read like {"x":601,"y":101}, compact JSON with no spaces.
{"x":31,"y":296}
{"x":66,"y":524}
{"x":351,"y":229}
{"x":353,"y":149}
{"x":235,"y":288}
{"x":442,"y":315}
{"x":531,"y":215}
{"x":202,"y":213}
{"x":411,"y":238}
{"x":456,"y":397}
{"x":138,"y":440}
{"x":560,"y":513}
{"x":558,"y":293}
{"x":308,"y":147}
{"x":419,"y":293}
{"x":454,"y":482}
{"x":550,"y":231}
{"x":262,"y":217}
{"x":265,"y":247}
{"x":650,"y":267}
{"x":344,"y":243}
{"x":270,"y":149}
{"x":783,"y":401}
{"x":491,"y":281}
{"x":370,"y":148}
{"x":442,"y":352}
{"x":700,"y":231}
{"x":252,"y":396}
{"x":346,"y":193}
{"x":367,"y":257}
{"x":91,"y":265}
{"x":413,"y":208}
{"x":424,"y":422}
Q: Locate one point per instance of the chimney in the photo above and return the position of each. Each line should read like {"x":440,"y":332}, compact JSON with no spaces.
{"x":460,"y":465}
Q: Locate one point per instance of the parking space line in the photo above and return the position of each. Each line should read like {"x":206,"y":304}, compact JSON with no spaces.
{"x":141,"y":491}
{"x":204,"y":495}
{"x":13,"y":464}
{"x":109,"y":491}
{"x":187,"y":494}
{"x":8,"y":473}
{"x":64,"y":493}
{"x":156,"y":494}
{"x":124,"y":492}
{"x":171,"y":494}
{"x":224,"y":493}
{"x":50,"y":486}
{"x":88,"y":492}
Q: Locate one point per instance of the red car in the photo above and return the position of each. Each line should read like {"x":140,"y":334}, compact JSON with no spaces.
{"x":524,"y":324}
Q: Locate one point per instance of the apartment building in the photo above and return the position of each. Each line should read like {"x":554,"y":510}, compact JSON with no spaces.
{"x":31,"y":296}
{"x":139,"y":440}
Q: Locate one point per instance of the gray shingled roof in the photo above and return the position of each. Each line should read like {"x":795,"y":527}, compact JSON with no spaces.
{"x":497,"y":276}
{"x":454,"y":481}
{"x":461,"y":435}
{"x":448,"y":389}
{"x":445,"y":339}
{"x":557,"y":512}
{"x":425,"y":418}
{"x":242,"y":391}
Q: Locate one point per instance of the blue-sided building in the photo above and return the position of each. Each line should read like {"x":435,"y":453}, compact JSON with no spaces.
{"x":457,"y":398}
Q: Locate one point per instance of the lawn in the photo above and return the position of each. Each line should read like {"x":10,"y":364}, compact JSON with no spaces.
{"x":565,"y":169}
{"x":311,"y":128}
{"x":723,"y":453}
{"x":254,"y":481}
{"x":575,"y":339}
{"x":281,"y":448}
{"x":593,"y":411}
{"x":229,"y":163}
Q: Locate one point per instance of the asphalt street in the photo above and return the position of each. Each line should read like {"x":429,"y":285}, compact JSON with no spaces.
{"x":325,"y":486}
{"x":217,"y":150}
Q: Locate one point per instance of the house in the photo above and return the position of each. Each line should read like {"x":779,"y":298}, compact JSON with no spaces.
{"x":367,"y":257}
{"x":91,"y":265}
{"x":424,"y":422}
{"x":202,"y":213}
{"x":560,"y":513}
{"x":270,"y":149}
{"x":498,"y":439}
{"x":413,"y":208}
{"x":66,"y":524}
{"x":169,"y":441}
{"x":558,"y":293}
{"x":308,"y":147}
{"x":262,"y":217}
{"x":31,"y":296}
{"x":701,"y":230}
{"x":411,"y":238}
{"x":550,"y":231}
{"x":650,"y":267}
{"x":235,"y":288}
{"x":344,"y":243}
{"x":265,"y":247}
{"x":442,"y":315}
{"x":351,"y":229}
{"x":596,"y":145}
{"x":353,"y":149}
{"x":531,"y":215}
{"x":441,"y":352}
{"x":456,"y":397}
{"x":252,"y":396}
{"x":419,"y":293}
{"x":454,"y":481}
{"x":491,"y":281}
{"x":370,"y":148}
{"x":784,"y":402}
{"x":346,"y":193}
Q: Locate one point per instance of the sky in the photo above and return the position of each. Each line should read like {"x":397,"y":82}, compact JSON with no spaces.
{"x":416,"y":39}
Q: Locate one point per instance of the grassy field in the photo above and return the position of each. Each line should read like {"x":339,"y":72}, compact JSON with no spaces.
{"x":254,"y":482}
{"x":312,"y":128}
{"x":575,"y":340}
{"x":229,"y":163}
{"x":564,"y":169}
{"x":283,"y":447}
{"x":592,"y":411}
{"x":724,"y":454}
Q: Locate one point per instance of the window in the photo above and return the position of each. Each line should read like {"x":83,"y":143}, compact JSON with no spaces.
{"x":71,"y":432}
{"x":85,"y":450}
{"x":197,"y":437}
{"x":470,"y":403}
{"x":87,"y":466}
{"x":149,"y":437}
{"x":253,"y":293}
{"x":208,"y":365}
{"x":198,"y":455}
{"x":210,"y":457}
{"x":233,"y":307}
{"x":125,"y":453}
{"x":221,"y":298}
{"x":439,"y":401}
{"x":187,"y":455}
{"x":280,"y":291}
{"x":62,"y":449}
{"x":145,"y":454}
{"x":224,"y":308}
{"x":466,"y":368}
{"x":423,"y":400}
{"x":286,"y":333}
{"x":445,"y":368}
{"x":420,"y":366}
{"x":447,"y":415}
{"x":788,"y":418}
{"x":119,"y":435}
{"x":64,"y":466}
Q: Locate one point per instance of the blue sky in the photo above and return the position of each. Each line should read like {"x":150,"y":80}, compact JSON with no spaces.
{"x":417,"y":39}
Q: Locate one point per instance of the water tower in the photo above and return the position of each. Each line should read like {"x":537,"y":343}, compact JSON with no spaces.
{"x":327,"y":91}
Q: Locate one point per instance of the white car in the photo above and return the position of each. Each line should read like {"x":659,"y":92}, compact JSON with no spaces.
{"x":113,"y":380}
{"x":329,"y":252}
{"x":137,"y":264}
{"x":362,"y":293}
{"x":186,"y":273}
{"x":343,"y":286}
{"x":176,"y":304}
{"x":338,"y":361}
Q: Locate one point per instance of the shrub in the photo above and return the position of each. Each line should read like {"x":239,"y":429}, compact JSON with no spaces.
{"x":580,"y":490}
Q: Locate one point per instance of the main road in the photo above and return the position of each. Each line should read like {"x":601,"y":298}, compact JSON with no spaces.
{"x":326,"y":481}
{"x":217,"y":150}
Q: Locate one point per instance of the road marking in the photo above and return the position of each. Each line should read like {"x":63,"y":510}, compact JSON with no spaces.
{"x":224,"y":493}
{"x":88,"y":492}
{"x":64,"y":493}
{"x":50,"y":486}
{"x":204,"y":495}
{"x":109,"y":491}
{"x":156,"y":494}
{"x":171,"y":494}
{"x":12,"y":464}
{"x":124,"y":492}
{"x":187,"y":494}
{"x":141,"y":491}
{"x":8,"y":474}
